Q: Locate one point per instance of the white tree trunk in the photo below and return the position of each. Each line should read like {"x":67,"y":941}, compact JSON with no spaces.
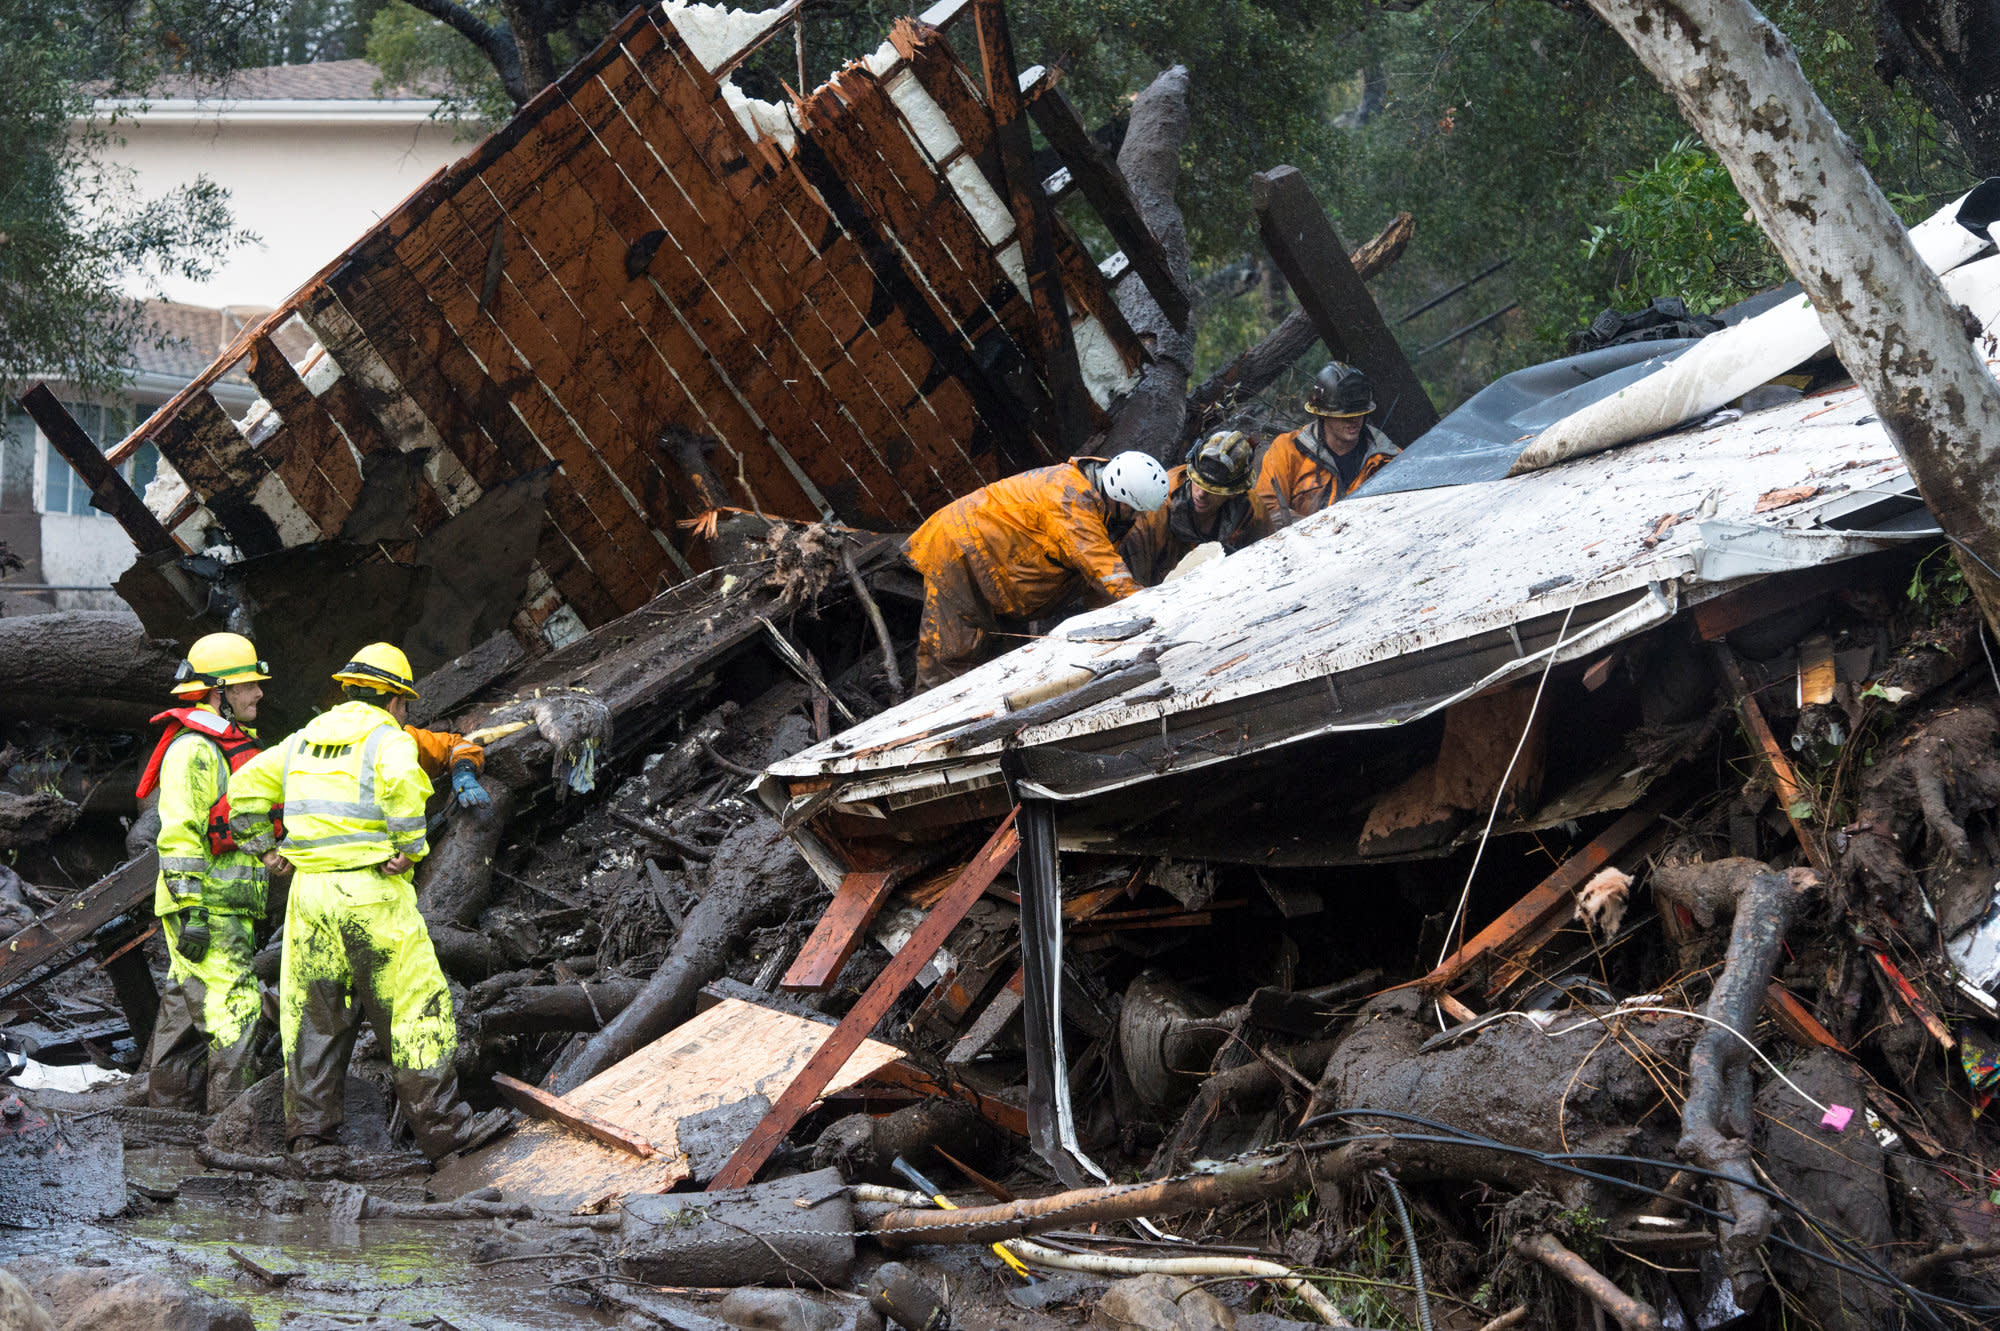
{"x":1738,"y":83}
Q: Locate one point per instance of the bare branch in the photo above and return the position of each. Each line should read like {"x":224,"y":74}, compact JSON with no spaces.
{"x":493,"y":40}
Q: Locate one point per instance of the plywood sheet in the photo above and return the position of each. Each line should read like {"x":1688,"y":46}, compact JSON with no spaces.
{"x":732,"y":1051}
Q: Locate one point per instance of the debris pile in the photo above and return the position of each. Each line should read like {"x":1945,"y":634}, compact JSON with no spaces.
{"x":1499,"y":900}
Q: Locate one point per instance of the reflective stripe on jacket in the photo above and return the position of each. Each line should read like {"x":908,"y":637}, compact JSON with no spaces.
{"x":352,"y":788}
{"x":1298,"y":478}
{"x":192,"y":776}
{"x":1028,"y":541}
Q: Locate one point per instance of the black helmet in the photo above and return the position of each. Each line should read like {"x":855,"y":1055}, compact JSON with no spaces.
{"x":1340,"y":390}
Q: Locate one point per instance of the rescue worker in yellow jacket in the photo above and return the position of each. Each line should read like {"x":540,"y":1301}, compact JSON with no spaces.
{"x":1208,"y":500}
{"x":211,"y":894}
{"x":1020,"y":547}
{"x":1313,"y":468}
{"x":353,"y":794}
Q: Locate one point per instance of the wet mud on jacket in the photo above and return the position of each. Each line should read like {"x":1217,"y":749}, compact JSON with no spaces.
{"x":352,"y":790}
{"x":1300,"y":476}
{"x":1028,"y":542}
{"x":191,"y":768}
{"x":1161,"y":539}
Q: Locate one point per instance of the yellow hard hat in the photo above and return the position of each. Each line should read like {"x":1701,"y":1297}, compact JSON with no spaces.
{"x":218,"y":659}
{"x":380,"y":665}
{"x":1221,"y":463}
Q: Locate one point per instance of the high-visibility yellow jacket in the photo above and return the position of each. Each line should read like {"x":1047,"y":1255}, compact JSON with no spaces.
{"x":192,"y":777}
{"x":352,"y":788}
{"x":1028,"y":541}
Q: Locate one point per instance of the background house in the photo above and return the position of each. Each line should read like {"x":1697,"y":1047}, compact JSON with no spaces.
{"x":311,"y":156}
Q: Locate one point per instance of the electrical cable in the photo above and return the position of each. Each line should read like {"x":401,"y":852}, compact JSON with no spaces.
{"x":1416,"y":1259}
{"x":1600,"y":1018}
{"x":1878,"y":1275}
{"x":1875,"y":1272}
{"x":1500,"y":795}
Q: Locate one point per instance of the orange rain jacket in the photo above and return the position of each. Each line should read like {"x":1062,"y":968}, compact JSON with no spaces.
{"x":1028,"y":541}
{"x":1298,"y":477}
{"x":439,"y":750}
{"x":1161,"y":539}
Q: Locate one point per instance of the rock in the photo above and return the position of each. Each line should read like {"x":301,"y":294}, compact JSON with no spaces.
{"x":67,"y":1286}
{"x":1161,"y":1303}
{"x":19,"y":1311}
{"x":776,"y":1310}
{"x":150,"y":1302}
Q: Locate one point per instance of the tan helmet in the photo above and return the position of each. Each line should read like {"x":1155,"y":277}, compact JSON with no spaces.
{"x":1221,"y":463}
{"x":216,"y":661}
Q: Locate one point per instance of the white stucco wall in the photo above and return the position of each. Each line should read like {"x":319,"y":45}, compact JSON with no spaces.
{"x":308,"y":183}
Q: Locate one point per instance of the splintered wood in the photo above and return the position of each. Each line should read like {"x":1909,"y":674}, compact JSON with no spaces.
{"x":723,"y":1056}
{"x":837,"y":318}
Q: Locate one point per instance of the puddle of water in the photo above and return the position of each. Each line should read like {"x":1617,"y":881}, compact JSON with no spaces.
{"x":400,"y":1271}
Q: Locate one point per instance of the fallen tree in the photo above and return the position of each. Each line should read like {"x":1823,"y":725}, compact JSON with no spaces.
{"x":1736,"y":80}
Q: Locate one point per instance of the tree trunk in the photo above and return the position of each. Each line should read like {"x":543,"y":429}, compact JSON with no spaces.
{"x":1737,"y":82}
{"x":93,"y":666}
{"x":538,"y":65}
{"x":1150,"y":158}
{"x":1259,"y":367}
{"x":1950,"y":49}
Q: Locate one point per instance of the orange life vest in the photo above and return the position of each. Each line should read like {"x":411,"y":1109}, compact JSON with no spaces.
{"x":237,"y":747}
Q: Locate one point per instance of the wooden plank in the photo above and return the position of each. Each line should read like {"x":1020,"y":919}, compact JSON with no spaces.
{"x":823,"y":434}
{"x":1105,"y":187}
{"x":523,"y":423}
{"x":1548,"y":902}
{"x":110,"y":492}
{"x":1797,"y":1021}
{"x":42,"y":944}
{"x":840,"y":930}
{"x":719,"y":1057}
{"x":418,"y":348}
{"x":315,"y":462}
{"x":1017,"y":406}
{"x":988,"y":1025}
{"x":538,"y":1103}
{"x":1304,"y":245}
{"x":923,"y":944}
{"x":1034,"y":225}
{"x":701,"y":402}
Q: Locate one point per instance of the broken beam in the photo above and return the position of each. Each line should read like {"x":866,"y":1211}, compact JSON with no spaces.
{"x":1034,"y":225}
{"x":854,"y":907}
{"x":1094,"y":172}
{"x":110,"y":492}
{"x":1532,"y":919}
{"x":537,"y":1103}
{"x":874,"y":1005}
{"x":1307,"y":250}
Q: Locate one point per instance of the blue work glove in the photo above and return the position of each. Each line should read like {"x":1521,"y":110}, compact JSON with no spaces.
{"x":465,"y":787}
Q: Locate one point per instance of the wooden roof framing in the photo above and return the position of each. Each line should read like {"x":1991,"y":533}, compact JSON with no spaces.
{"x":835,"y":315}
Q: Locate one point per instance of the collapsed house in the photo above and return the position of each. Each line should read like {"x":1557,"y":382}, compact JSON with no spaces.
{"x":1403,"y":839}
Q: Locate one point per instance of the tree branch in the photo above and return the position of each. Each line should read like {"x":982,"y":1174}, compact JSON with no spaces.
{"x":493,"y":40}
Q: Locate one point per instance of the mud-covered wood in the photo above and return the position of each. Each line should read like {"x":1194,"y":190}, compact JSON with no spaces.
{"x":1098,"y":176}
{"x":1303,"y":243}
{"x":109,"y":491}
{"x":852,"y":1032}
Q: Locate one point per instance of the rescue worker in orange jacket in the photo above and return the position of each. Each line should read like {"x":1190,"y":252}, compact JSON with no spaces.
{"x":1208,"y":500}
{"x":1020,"y":547}
{"x":1311,"y":469}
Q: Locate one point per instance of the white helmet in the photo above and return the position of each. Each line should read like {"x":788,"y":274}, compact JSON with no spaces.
{"x":1134,"y":478}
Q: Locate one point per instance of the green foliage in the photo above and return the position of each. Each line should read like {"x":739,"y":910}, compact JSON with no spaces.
{"x":412,"y":48}
{"x":1937,"y":585}
{"x":1679,"y":228}
{"x":73,"y":232}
